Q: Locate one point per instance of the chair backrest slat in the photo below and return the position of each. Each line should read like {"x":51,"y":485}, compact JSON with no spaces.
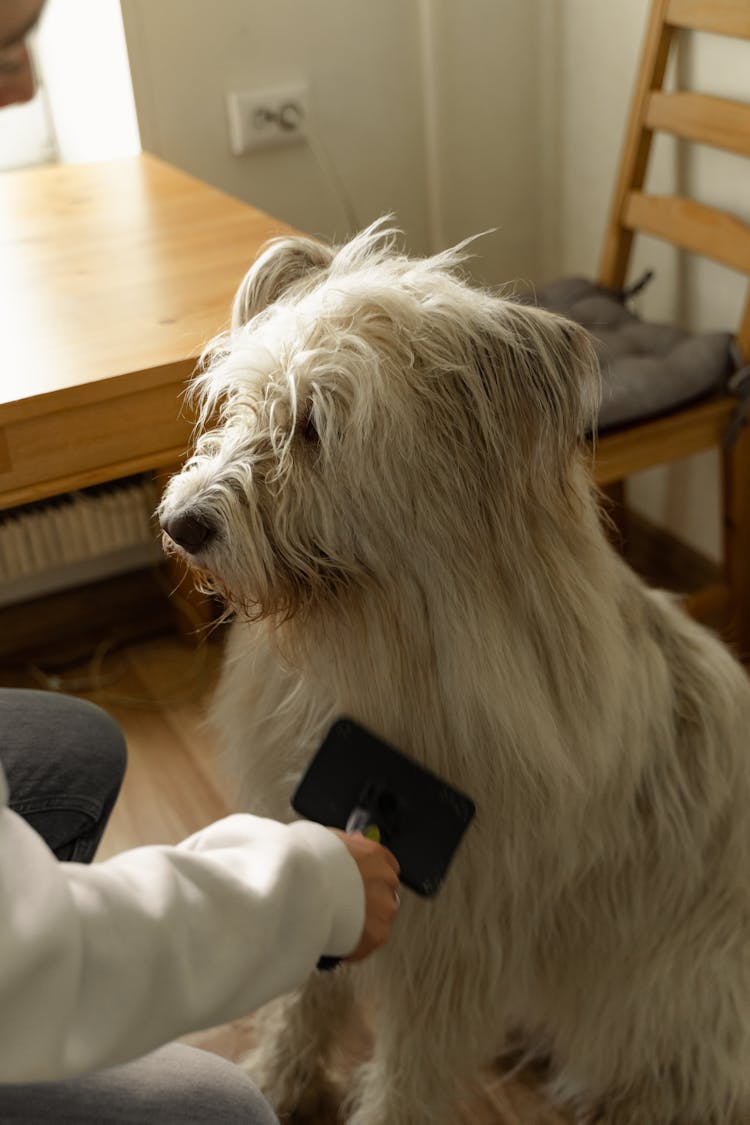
{"x":636,"y":147}
{"x":701,"y":118}
{"x":691,"y":226}
{"x":691,"y":116}
{"x":722,"y":17}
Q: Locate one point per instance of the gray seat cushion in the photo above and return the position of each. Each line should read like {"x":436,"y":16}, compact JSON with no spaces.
{"x":647,"y":368}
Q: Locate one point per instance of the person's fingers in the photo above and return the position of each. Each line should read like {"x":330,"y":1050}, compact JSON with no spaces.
{"x":379,"y":871}
{"x":361,"y":846}
{"x":392,"y":861}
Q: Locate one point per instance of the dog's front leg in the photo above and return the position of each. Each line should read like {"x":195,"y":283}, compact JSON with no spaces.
{"x":294,"y":1039}
{"x":426,"y":1055}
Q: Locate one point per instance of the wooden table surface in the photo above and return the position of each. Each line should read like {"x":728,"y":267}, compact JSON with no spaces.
{"x":113,"y":277}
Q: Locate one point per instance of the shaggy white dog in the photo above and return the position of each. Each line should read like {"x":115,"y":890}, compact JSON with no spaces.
{"x":391,"y":493}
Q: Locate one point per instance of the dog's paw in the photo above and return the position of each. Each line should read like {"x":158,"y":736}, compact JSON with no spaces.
{"x":298,"y":1096}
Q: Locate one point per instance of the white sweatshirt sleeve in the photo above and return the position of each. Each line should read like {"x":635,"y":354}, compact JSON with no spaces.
{"x":99,"y":964}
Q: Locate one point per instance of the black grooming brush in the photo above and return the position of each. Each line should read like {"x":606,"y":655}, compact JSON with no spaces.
{"x":359,"y":783}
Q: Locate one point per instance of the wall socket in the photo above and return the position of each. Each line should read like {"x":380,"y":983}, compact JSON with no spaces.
{"x":266,"y":118}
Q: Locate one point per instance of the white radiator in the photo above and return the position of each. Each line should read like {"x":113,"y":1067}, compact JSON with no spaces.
{"x":78,"y":538}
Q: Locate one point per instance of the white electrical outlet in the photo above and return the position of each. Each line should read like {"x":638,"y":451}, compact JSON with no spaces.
{"x":266,"y":118}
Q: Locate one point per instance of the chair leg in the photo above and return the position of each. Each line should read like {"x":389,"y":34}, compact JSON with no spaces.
{"x":737,"y":538}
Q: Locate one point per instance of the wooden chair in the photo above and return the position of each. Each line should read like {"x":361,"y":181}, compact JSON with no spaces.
{"x":711,"y":233}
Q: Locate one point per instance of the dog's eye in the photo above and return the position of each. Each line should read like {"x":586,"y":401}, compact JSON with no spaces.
{"x":308,"y":430}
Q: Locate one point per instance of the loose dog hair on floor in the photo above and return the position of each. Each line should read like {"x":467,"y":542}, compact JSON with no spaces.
{"x":390,"y":489}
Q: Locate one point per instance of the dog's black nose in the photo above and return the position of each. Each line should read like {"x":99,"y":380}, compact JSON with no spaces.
{"x":189,"y":530}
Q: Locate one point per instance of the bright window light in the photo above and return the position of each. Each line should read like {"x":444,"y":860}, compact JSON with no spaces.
{"x":26,"y":135}
{"x":84,"y":69}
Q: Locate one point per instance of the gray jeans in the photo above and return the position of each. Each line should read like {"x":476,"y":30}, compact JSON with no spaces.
{"x":64,"y":760}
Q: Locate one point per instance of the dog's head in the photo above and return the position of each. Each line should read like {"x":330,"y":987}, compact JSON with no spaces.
{"x":368,"y":415}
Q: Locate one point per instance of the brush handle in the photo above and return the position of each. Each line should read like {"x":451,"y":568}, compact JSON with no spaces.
{"x":325,"y":963}
{"x":361,"y":820}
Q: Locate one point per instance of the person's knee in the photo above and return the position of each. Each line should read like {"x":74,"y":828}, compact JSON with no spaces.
{"x":179,"y":1080}
{"x":240,"y":1099}
{"x":64,"y":760}
{"x":175,"y":1085}
{"x":88,"y":743}
{"x":92,"y":754}
{"x":94,"y":739}
{"x":42,"y":732}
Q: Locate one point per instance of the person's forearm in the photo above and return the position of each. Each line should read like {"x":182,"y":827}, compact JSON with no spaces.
{"x":106,"y":962}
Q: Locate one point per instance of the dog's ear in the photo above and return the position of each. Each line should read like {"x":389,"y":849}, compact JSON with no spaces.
{"x":563,"y":374}
{"x":282,"y":263}
{"x":546,"y":372}
{"x":540,"y":390}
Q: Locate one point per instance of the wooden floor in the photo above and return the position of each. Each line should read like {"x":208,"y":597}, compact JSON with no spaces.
{"x":157,"y":690}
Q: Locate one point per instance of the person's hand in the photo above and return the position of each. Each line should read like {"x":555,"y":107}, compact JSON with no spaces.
{"x":379,"y":870}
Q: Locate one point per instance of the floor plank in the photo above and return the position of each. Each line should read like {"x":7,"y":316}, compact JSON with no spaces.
{"x":171,"y":787}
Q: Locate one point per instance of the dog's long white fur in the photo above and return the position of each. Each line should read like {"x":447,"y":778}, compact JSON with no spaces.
{"x":394,"y":464}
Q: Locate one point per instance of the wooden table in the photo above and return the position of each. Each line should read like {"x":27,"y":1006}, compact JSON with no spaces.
{"x":113,"y":277}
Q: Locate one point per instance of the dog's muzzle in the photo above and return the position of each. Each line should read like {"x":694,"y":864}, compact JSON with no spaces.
{"x":190,"y":530}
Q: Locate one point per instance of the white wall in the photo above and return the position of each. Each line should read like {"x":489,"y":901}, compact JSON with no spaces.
{"x":379,"y":73}
{"x":487,"y":93}
{"x":361,"y":61}
{"x":458,"y":116}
